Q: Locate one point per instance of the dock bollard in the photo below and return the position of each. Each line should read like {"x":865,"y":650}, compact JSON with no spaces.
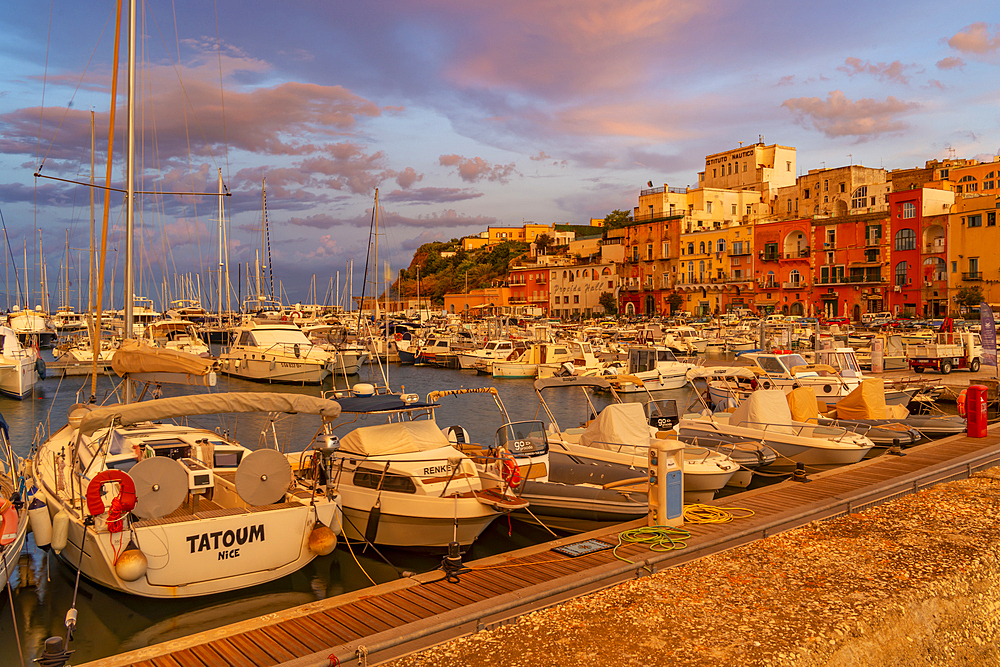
{"x":666,"y":483}
{"x":800,"y":473}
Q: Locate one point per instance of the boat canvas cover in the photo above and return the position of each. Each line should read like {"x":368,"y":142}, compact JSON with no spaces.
{"x":802,"y":404}
{"x":135,"y":357}
{"x":618,"y":424}
{"x":395,"y":438}
{"x":865,"y":402}
{"x":207,"y":404}
{"x":764,"y":409}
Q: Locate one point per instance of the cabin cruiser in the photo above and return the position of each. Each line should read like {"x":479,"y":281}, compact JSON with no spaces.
{"x":764,"y":416}
{"x":656,"y":366}
{"x":143,"y":314}
{"x":584,"y":362}
{"x":20,"y":367}
{"x":175,"y":334}
{"x":789,"y":370}
{"x":347,"y":357}
{"x":275,"y":352}
{"x":188,"y":309}
{"x":481,"y":360}
{"x":164,"y":510}
{"x":67,"y":320}
{"x":526,"y":365}
{"x":79,"y":348}
{"x":402,"y":482}
{"x":32,"y":327}
{"x":685,"y":338}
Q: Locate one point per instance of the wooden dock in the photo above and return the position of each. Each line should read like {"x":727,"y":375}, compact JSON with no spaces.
{"x":399,"y":617}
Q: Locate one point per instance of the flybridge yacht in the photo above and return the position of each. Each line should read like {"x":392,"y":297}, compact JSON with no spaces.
{"x":20,"y":367}
{"x":656,"y":366}
{"x":275,"y":352}
{"x":32,"y":327}
{"x":164,"y":510}
{"x":176,"y":334}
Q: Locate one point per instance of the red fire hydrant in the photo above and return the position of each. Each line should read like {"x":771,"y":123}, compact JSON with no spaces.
{"x":975,"y":411}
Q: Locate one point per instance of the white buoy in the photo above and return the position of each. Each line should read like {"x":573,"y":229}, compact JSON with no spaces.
{"x":131,"y":564}
{"x":322,"y":540}
{"x":41,"y":522}
{"x":60,"y":531}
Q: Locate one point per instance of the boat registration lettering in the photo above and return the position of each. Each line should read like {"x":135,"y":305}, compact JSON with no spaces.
{"x":288,"y":364}
{"x":226,"y":539}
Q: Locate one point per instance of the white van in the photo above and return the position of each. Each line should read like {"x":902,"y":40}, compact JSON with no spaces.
{"x":875,"y":319}
{"x":774,"y":318}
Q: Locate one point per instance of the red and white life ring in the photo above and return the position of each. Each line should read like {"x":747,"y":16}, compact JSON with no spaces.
{"x":399,"y":336}
{"x":510,"y":472}
{"x":960,"y":401}
{"x":295,"y":315}
{"x":121,"y":505}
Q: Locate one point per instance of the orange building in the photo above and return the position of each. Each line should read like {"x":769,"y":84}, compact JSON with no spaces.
{"x":783,"y":272}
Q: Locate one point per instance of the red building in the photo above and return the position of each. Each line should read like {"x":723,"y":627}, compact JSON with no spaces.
{"x":782,"y":272}
{"x":919,"y":220}
{"x":529,"y":286}
{"x":851,"y":255}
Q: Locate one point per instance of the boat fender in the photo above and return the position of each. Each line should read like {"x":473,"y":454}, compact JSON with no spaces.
{"x":8,"y":532}
{"x":40,"y":368}
{"x":510,"y":472}
{"x":41,"y":522}
{"x":297,"y":350}
{"x":131,"y":564}
{"x":322,"y":540}
{"x":60,"y":531}
{"x":960,"y":401}
{"x":371,"y":529}
{"x":121,"y":505}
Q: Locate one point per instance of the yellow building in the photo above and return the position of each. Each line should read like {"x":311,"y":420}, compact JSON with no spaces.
{"x":711,"y":275}
{"x":982,"y":178}
{"x":474,"y":243}
{"x":972,"y":231}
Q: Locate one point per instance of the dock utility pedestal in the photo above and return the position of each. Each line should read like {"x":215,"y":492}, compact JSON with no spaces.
{"x":666,"y":483}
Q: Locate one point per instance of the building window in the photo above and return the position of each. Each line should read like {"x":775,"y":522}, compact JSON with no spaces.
{"x":788,"y":165}
{"x":991,"y":218}
{"x":909,"y":210}
{"x":635,"y":256}
{"x":576,"y":298}
{"x":691,"y":248}
{"x":744,"y":167}
{"x":860,"y":197}
{"x":749,"y":208}
{"x":789,"y":205}
{"x":975,"y":221}
{"x":666,"y":249}
{"x":708,"y":207}
{"x":714,"y":175}
{"x":873,"y":234}
{"x":649,"y":251}
{"x":901,"y":274}
{"x":826,"y":199}
{"x":826,"y":186}
{"x":906,"y":239}
{"x":734,"y":209}
{"x":843,"y":187}
{"x":720,"y":245}
{"x":805,"y":193}
{"x":701,"y":248}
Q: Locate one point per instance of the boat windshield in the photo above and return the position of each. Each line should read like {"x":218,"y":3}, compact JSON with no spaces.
{"x":265,"y":337}
{"x":792,"y":360}
{"x":665,"y":355}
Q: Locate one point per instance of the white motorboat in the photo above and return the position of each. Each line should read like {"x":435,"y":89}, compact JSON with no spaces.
{"x":686,"y":338}
{"x":275,"y":352}
{"x":526,"y":365}
{"x":764,"y":416}
{"x":786,"y":371}
{"x":494,"y":350}
{"x":20,"y":366}
{"x":165,"y":510}
{"x":620,"y":434}
{"x":33,"y":327}
{"x":656,"y":366}
{"x":347,"y":358}
{"x":404,"y":484}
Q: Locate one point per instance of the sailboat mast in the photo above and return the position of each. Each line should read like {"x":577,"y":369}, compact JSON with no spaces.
{"x":220,"y":248}
{"x":129,"y":283}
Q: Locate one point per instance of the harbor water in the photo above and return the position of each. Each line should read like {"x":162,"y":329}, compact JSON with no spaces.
{"x":111,"y":622}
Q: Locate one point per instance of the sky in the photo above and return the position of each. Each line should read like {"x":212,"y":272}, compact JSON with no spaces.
{"x":462,"y":114}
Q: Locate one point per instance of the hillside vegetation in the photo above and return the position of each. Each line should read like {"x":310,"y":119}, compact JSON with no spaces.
{"x":442,"y":275}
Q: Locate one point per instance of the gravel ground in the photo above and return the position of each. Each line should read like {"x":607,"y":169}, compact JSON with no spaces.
{"x":913,"y":582}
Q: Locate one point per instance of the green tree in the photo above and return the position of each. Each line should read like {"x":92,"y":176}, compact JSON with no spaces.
{"x":543,"y":242}
{"x":675,"y":301}
{"x":617,"y":219}
{"x":970,"y":297}
{"x":609,"y":303}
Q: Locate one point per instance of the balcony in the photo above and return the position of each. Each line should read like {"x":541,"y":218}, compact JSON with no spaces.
{"x":797,"y":254}
{"x":853,"y":280}
{"x":540,"y":297}
{"x":742,"y":251}
{"x":769,"y":256}
{"x":517,"y":299}
{"x":799,"y":284}
{"x":973,"y":275}
{"x":768,"y":285}
{"x":933,"y":248}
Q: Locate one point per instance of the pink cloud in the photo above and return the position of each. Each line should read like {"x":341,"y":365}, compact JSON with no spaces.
{"x":477,"y":169}
{"x":786,"y":80}
{"x":894,"y":71}
{"x":838,"y":116}
{"x":975,"y":38}
{"x":408,"y":177}
{"x":432,"y":195}
{"x":950,"y":62}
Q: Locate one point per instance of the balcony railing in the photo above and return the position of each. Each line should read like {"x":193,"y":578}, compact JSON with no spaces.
{"x":740,"y":252}
{"x":770,"y":257}
{"x":764,"y":284}
{"x":933,"y":248}
{"x":798,"y":284}
{"x":972,"y":275}
{"x":843,"y":280}
{"x":797,"y":254}
{"x":517,"y":299}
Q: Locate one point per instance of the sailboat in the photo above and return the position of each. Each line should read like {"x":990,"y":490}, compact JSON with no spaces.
{"x":165,"y":510}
